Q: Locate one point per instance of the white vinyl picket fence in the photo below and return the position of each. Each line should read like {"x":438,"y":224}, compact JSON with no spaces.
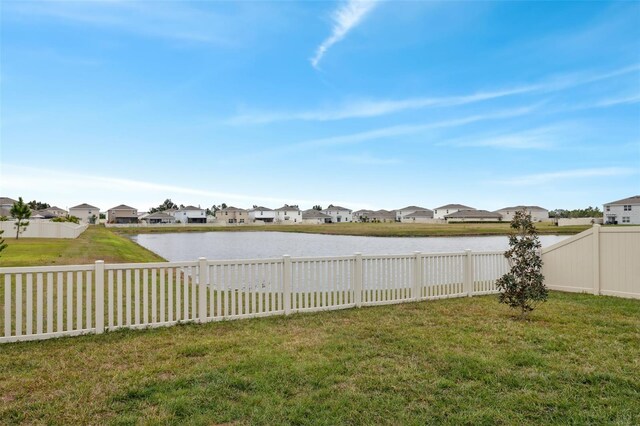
{"x":53,"y":301}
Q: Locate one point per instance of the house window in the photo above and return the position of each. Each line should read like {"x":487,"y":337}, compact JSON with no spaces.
{"x":626,"y":219}
{"x":627,"y":208}
{"x":230,"y":220}
{"x":241,"y":220}
{"x":608,"y":208}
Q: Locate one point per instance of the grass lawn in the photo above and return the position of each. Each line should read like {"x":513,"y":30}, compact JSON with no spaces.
{"x":369,"y":229}
{"x":455,"y":361}
{"x":96,"y":243}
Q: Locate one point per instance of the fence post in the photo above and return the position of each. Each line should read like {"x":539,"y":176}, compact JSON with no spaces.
{"x":468,"y":273}
{"x":417,"y":276}
{"x":99,"y":271}
{"x":202,"y":288}
{"x":596,"y":258}
{"x":357,"y":282}
{"x":286,"y":284}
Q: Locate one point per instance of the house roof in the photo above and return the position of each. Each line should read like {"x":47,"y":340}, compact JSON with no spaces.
{"x":421,"y":213}
{"x":286,"y":207}
{"x":85,"y":206}
{"x":56,"y":208}
{"x":332,"y":207}
{"x":232,"y":209}
{"x":122,"y":207}
{"x":412,"y":208}
{"x":474,"y":214}
{"x":314,"y":214}
{"x":7,"y":200}
{"x":363,"y":211}
{"x":189,"y":208}
{"x":261,"y":209}
{"x":521,"y":207}
{"x":631,"y":200}
{"x":455,"y":206}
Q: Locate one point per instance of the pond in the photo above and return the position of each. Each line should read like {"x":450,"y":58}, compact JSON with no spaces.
{"x":258,"y":245}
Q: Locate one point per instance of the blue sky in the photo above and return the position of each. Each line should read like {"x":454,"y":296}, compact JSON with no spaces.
{"x":363,"y":104}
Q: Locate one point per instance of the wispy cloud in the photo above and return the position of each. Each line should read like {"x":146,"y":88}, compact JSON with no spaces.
{"x":73,"y":188}
{"x":345,"y":18}
{"x":541,"y":178}
{"x":166,"y":20}
{"x":380,"y":107}
{"x":402,"y":130}
{"x":538,"y":138}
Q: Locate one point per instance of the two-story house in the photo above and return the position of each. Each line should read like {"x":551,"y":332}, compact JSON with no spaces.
{"x":122,"y":214}
{"x":190,"y":214}
{"x":338,"y":214}
{"x":538,"y":214}
{"x":442,"y":211}
{"x":315,"y":217}
{"x":262,"y":214}
{"x":623,"y":212}
{"x":408,"y":210}
{"x":232,"y":215}
{"x":288,"y":214}
{"x":86,"y":213}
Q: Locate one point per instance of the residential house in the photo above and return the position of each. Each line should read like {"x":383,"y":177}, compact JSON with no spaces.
{"x":288,"y":214}
{"x":538,"y":214}
{"x":262,"y":214}
{"x":5,"y":206}
{"x":85,"y":212}
{"x":361,"y":215}
{"x":51,"y":212}
{"x":418,"y":216}
{"x":338,"y":214}
{"x":624,"y":212}
{"x":232,"y":215}
{"x":122,"y":214}
{"x":442,"y":211}
{"x":158,"y":218}
{"x":189,"y":214}
{"x":315,"y":217}
{"x":473,"y":216}
{"x":408,"y":210}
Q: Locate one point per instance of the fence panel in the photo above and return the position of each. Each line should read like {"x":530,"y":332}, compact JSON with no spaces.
{"x":45,"y":302}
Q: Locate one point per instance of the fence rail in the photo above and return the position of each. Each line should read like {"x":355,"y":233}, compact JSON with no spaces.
{"x":53,"y":301}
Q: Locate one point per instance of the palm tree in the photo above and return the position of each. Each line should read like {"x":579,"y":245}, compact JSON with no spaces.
{"x":21,"y":212}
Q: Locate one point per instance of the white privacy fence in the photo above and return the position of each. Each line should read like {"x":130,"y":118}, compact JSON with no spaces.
{"x":52,"y":301}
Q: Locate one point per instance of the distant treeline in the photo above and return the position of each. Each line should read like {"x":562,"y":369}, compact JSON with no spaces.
{"x":564,"y":214}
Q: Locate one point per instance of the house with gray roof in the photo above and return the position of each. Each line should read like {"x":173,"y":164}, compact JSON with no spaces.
{"x":122,"y":214}
{"x":5,"y":206}
{"x":232,"y":215}
{"x":262,"y":214}
{"x":623,"y":212}
{"x":158,"y":218}
{"x":315,"y":217}
{"x":288,"y":214}
{"x":420,"y":216}
{"x":339,"y":214}
{"x":85,"y":212}
{"x":538,"y":214}
{"x":400,"y":213}
{"x":473,"y":216}
{"x":190,"y":214}
{"x":442,"y":211}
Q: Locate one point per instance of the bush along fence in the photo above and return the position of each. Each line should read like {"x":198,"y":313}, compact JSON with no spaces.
{"x":47,"y":302}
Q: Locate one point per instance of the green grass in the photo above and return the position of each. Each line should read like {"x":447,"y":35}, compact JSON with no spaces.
{"x":368,"y":229}
{"x":456,"y":361}
{"x":96,"y":243}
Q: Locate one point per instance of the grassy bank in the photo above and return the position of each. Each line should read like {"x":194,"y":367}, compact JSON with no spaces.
{"x":96,"y":243}
{"x":457,"y":361}
{"x":368,"y":229}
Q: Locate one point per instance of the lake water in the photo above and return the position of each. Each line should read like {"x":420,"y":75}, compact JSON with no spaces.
{"x":258,"y":245}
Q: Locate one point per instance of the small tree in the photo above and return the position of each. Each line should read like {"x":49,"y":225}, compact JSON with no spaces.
{"x":21,"y":213}
{"x":523,"y":286}
{"x":317,"y":207}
